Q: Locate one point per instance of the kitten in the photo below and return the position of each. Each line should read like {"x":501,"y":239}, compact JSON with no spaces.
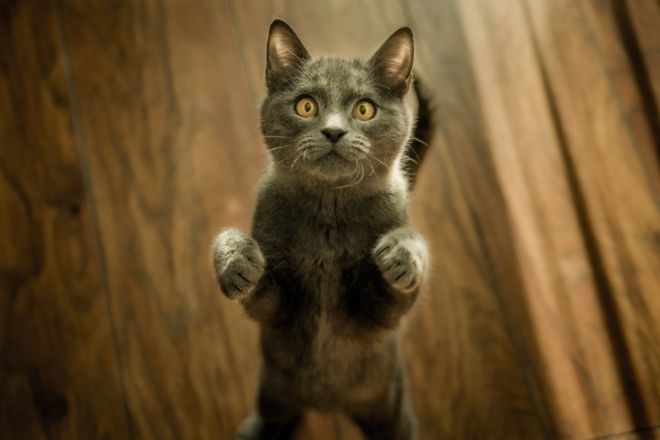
{"x":332,"y":264}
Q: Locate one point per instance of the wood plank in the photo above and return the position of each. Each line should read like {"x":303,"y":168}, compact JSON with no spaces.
{"x":577,"y":363}
{"x":169,"y":130}
{"x":611,"y":152}
{"x":639,"y":21}
{"x":56,"y":348}
{"x":466,"y":378}
{"x":489,"y":345}
{"x":512,"y":323}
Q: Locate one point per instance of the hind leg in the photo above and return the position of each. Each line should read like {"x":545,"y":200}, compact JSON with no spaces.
{"x":388,"y":418}
{"x":275,"y":418}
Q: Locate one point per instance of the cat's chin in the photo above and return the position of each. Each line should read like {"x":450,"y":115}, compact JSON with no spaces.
{"x":333,"y":160}
{"x":332,"y":168}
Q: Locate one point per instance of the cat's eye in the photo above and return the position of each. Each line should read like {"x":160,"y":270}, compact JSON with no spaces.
{"x":306,"y":107}
{"x":364,"y":110}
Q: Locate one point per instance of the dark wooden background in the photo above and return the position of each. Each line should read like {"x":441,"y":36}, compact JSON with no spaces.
{"x":129,"y":136}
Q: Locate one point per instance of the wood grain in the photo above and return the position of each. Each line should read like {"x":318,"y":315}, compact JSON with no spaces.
{"x":495,"y":395}
{"x":160,"y":93}
{"x":638,"y":22}
{"x":611,"y":154}
{"x":56,"y":349}
{"x":577,"y":366}
{"x":129,"y":136}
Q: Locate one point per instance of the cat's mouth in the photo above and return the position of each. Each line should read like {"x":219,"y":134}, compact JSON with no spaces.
{"x":328,"y":155}
{"x":331,"y":165}
{"x":335,"y":163}
{"x":333,"y":155}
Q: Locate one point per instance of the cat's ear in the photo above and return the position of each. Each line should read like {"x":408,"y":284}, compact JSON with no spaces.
{"x":285,"y":53}
{"x":393,"y":61}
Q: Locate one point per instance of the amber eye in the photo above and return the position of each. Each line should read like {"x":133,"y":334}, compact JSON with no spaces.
{"x":306,"y":107}
{"x":364,"y":110}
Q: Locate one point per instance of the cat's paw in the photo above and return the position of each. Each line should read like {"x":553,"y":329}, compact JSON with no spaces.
{"x":239,"y":263}
{"x":401,"y":256}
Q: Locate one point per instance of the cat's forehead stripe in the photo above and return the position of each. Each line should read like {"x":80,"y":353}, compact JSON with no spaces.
{"x":337,"y":74}
{"x":334,"y":120}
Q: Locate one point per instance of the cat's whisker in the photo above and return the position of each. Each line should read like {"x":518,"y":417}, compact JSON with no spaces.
{"x":360,"y":176}
{"x":282,"y":161}
{"x":301,"y":154}
{"x":359,"y":171}
{"x":305,"y":155}
{"x":348,"y":184}
{"x":254,"y":159}
{"x":420,"y":141}
{"x":415,"y":161}
{"x":305,"y":149}
{"x":277,"y":148}
{"x":410,"y":159}
{"x":371,"y":155}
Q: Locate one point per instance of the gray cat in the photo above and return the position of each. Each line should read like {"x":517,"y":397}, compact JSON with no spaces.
{"x":332,"y":264}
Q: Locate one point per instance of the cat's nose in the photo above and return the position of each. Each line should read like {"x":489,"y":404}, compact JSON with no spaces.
{"x":334,"y":134}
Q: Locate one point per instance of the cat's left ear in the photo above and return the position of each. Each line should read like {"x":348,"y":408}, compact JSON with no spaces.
{"x":285,"y":54}
{"x":393,"y":61}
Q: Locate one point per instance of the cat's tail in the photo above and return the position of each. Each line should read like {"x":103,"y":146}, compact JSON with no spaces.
{"x":422,"y":134}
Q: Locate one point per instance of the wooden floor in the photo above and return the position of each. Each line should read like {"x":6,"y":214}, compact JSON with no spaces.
{"x":129,"y":136}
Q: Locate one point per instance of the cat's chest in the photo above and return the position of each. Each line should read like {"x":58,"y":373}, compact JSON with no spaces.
{"x":327,"y":249}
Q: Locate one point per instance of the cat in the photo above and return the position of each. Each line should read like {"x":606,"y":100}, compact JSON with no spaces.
{"x":332,"y":264}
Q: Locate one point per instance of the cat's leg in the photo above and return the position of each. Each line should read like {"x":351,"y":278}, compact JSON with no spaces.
{"x":389,"y":418}
{"x":401,"y":257}
{"x":239,"y":263}
{"x":275,"y":417}
{"x":241,"y":272}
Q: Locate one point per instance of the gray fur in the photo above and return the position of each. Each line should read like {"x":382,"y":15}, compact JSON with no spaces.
{"x":332,"y":264}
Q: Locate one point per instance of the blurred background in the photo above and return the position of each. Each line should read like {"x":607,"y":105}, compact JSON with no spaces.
{"x":129,"y":137}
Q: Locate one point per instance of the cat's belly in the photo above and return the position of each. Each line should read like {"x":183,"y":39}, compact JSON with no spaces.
{"x":329,"y":370}
{"x":318,"y":352}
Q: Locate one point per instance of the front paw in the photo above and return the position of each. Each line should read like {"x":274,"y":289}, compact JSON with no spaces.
{"x":401,"y":257}
{"x":239,"y":263}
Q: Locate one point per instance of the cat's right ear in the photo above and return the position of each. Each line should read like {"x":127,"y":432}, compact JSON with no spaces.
{"x":393,"y":62}
{"x":285,"y":54}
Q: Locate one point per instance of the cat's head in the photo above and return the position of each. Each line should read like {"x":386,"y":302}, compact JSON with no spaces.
{"x":336,"y":122}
